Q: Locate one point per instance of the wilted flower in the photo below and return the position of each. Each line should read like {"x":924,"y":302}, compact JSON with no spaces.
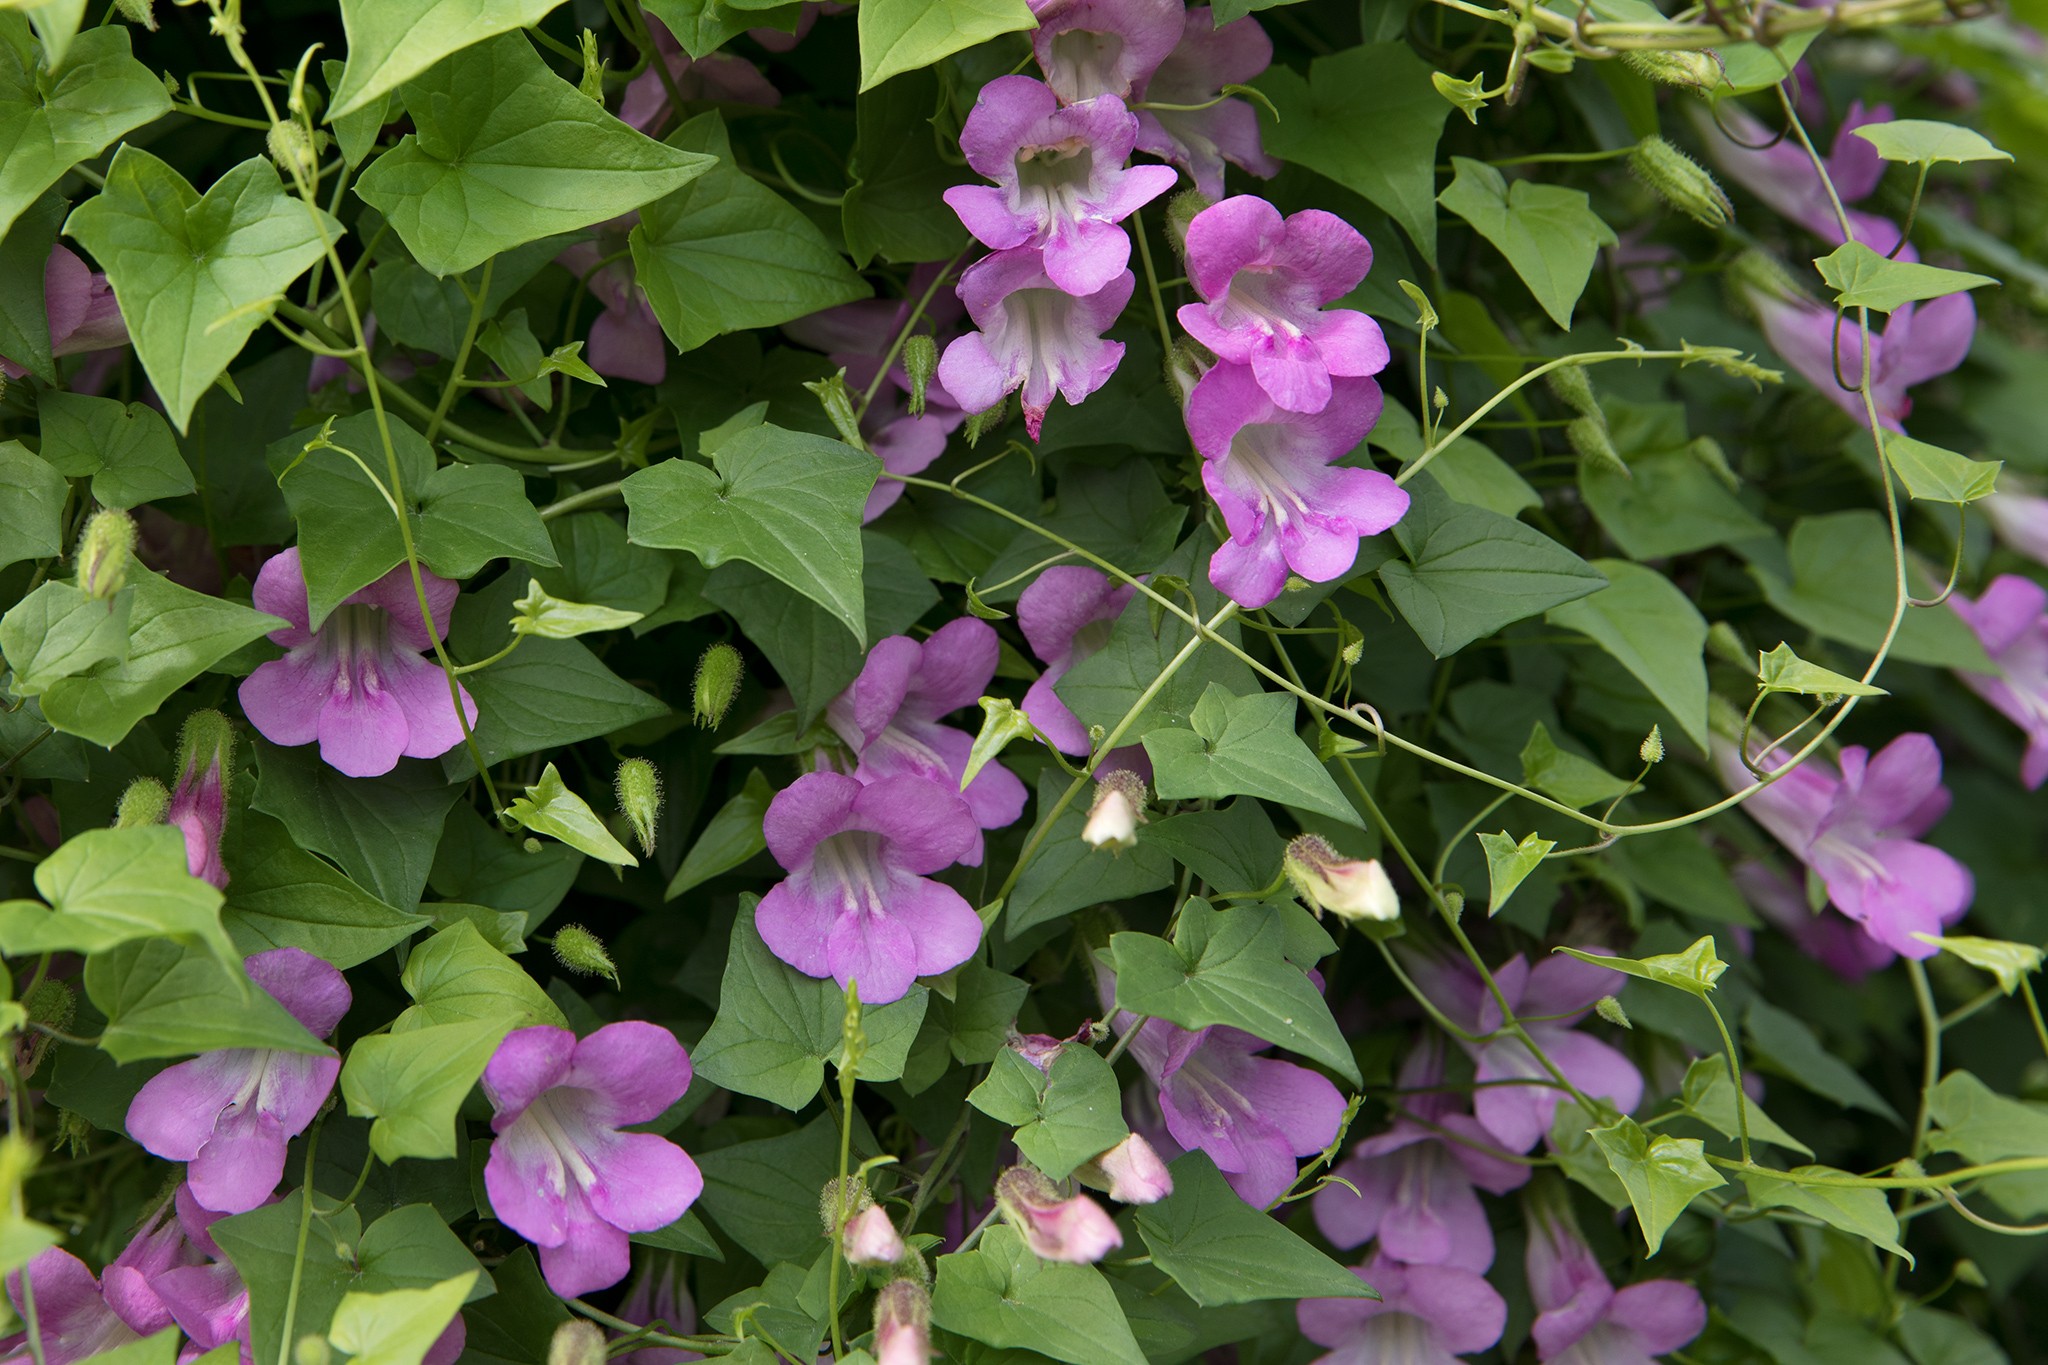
{"x":1425,"y":1315}
{"x":1349,"y":888}
{"x":1073,"y":1229}
{"x":1034,"y":339}
{"x":2011,"y":620}
{"x":1206,"y":59}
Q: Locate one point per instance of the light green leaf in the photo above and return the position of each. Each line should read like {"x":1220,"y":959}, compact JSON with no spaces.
{"x":1070,"y":1113}
{"x":59,"y":632}
{"x":1932,"y":474}
{"x":1578,"y":782}
{"x":550,"y":808}
{"x":391,"y":41}
{"x":1708,"y":1094}
{"x":1783,"y":671}
{"x":48,"y":124}
{"x":111,"y":886}
{"x":128,"y":448}
{"x":1859,"y":1212}
{"x":539,"y":613}
{"x":163,"y":1000}
{"x":31,"y":505}
{"x":1001,"y":723}
{"x":1922,"y":142}
{"x":1221,"y":1250}
{"x":1694,"y":971}
{"x":1979,"y":1124}
{"x":727,"y":253}
{"x":903,"y":35}
{"x":455,"y":976}
{"x":1244,"y":746}
{"x":1549,"y":234}
{"x":506,"y":153}
{"x":196,"y":275}
{"x":730,"y":837}
{"x":1861,"y":278}
{"x":1652,"y":629}
{"x":161,"y":1349}
{"x":1661,"y":1174}
{"x":2011,"y":963}
{"x":355,"y":132}
{"x":786,"y":501}
{"x":1004,"y":1296}
{"x":397,"y":1326}
{"x":1508,"y":863}
{"x":1841,"y":588}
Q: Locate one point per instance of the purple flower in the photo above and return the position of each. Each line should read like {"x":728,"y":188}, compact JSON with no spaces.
{"x":1840,"y":946}
{"x":206,"y":759}
{"x":858,"y":905}
{"x":1130,"y":1173}
{"x":210,"y":1304}
{"x":1034,"y":336}
{"x":80,"y":307}
{"x":1271,"y":474}
{"x":1425,"y":1315}
{"x":1859,"y":829}
{"x":1066,"y":614}
{"x":73,"y":1320}
{"x":358,"y":684}
{"x":1062,"y":184}
{"x":891,"y":718}
{"x":1073,"y":1229}
{"x":2011,"y":619}
{"x":1207,"y":59}
{"x":1103,"y":47}
{"x":2021,"y":520}
{"x":1415,"y":1181}
{"x":1264,"y":280}
{"x":1253,"y":1115}
{"x":561,"y":1174}
{"x":626,"y":341}
{"x":1582,"y":1319}
{"x":230,"y":1113}
{"x":1919,"y":343}
{"x":660,"y":1293}
{"x":132,"y":1283}
{"x":1783,"y":176}
{"x":718,"y":77}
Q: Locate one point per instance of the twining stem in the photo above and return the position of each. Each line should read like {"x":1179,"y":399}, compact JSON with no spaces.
{"x":291,"y":1298}
{"x":453,"y":387}
{"x":1734,"y":1074}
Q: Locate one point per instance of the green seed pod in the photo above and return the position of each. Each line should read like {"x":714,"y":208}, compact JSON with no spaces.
{"x":1652,"y":750}
{"x":582,"y":952}
{"x":920,"y":362}
{"x":718,"y":684}
{"x":1608,"y":1008}
{"x":52,"y":1003}
{"x":639,"y":790}
{"x":292,"y":147}
{"x":1680,"y":181}
{"x":1574,"y":388}
{"x":105,"y":552}
{"x":1589,"y":441}
{"x":143,"y":804}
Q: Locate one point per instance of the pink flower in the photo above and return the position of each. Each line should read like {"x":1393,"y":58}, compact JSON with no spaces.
{"x":1425,"y":1315}
{"x":2011,"y":619}
{"x":358,"y":684}
{"x":206,"y":759}
{"x":561,"y":1174}
{"x":1066,"y":615}
{"x":1919,"y":343}
{"x":1130,"y":1173}
{"x":1062,"y":184}
{"x":1779,"y":172}
{"x":229,"y":1114}
{"x":1207,"y":59}
{"x":1582,"y":1319}
{"x":903,"y":1324}
{"x":1033,"y":336}
{"x":660,"y":1293}
{"x":1272,"y":476}
{"x":1264,"y":280}
{"x":858,"y":905}
{"x":871,"y":1239}
{"x":1829,"y":939}
{"x":1074,"y":1229}
{"x":626,"y":341}
{"x":1102,"y":47}
{"x":80,"y":307}
{"x":2021,"y":520}
{"x":1859,"y":828}
{"x":73,"y":1320}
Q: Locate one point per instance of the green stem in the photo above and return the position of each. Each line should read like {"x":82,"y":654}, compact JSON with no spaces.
{"x":2034,"y":1012}
{"x":1152,"y":283}
{"x":291,"y":1298}
{"x":585,"y":497}
{"x":1734,"y":1074}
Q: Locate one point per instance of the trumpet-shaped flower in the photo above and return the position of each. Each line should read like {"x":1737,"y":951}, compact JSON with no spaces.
{"x":1778,"y":171}
{"x":1073,"y":1229}
{"x":1066,"y":614}
{"x":2011,"y":619}
{"x":660,"y":1293}
{"x":561,"y":1174}
{"x":358,"y":684}
{"x":1826,"y":936}
{"x":1425,"y":1315}
{"x":206,"y":758}
{"x":1582,"y":1319}
{"x":1921,"y":342}
{"x":1271,"y":472}
{"x":1201,"y":138}
{"x":80,"y":307}
{"x":133,"y":1281}
{"x":73,"y":1318}
{"x":229,"y":1114}
{"x":858,"y":905}
{"x":1034,"y":338}
{"x":1062,"y":185}
{"x":1102,"y":47}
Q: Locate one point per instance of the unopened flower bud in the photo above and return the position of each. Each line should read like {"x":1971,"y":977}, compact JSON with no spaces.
{"x":1439,"y":399}
{"x":1608,"y":1008}
{"x":138,"y":12}
{"x":718,"y":684}
{"x":53,"y":1004}
{"x":199,"y":803}
{"x":105,"y":552}
{"x":530,"y":844}
{"x":638,"y":785}
{"x":981,"y":423}
{"x":837,"y":400}
{"x":871,"y":1239}
{"x":591,"y":84}
{"x":1349,"y":888}
{"x":292,"y":147}
{"x":1454,"y":905}
{"x":1075,"y":1230}
{"x":144,"y":803}
{"x":1589,"y":440}
{"x":1574,"y":388}
{"x":578,"y":1341}
{"x":1118,"y":810}
{"x":920,"y":362}
{"x":903,"y":1324}
{"x":1186,"y":363}
{"x":313,"y":1349}
{"x":1680,"y":181}
{"x":1130,"y":1172}
{"x":582,"y":952}
{"x":1652,"y":750}
{"x":1182,"y":210}
{"x":1696,"y":70}
{"x":1352,"y":648}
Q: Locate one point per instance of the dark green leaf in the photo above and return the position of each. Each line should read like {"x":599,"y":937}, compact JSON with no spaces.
{"x":764,"y":1194}
{"x":1653,"y":630}
{"x":1244,"y":746}
{"x":382,"y":831}
{"x":1069,"y":875}
{"x":1222,"y":1250}
{"x":893,"y":209}
{"x":1784,"y":1044}
{"x":1004,"y":1296}
{"x":24,"y":261}
{"x":1070,"y":1113}
{"x":128,"y":448}
{"x":280,"y":896}
{"x":1234,"y":849}
{"x":1841,"y":588}
{"x":1665,"y":504}
{"x":1576,"y":781}
{"x":31,"y":505}
{"x":733,"y":836}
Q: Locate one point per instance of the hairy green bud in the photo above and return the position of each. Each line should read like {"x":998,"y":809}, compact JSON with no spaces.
{"x":1608,"y":1008}
{"x":719,"y":671}
{"x":1574,"y":388}
{"x":105,"y":551}
{"x":52,"y":1004}
{"x":1181,"y":211}
{"x":1680,"y":181}
{"x":837,"y":400}
{"x":1652,"y":750}
{"x":1695,"y":70}
{"x":981,"y":423}
{"x":139,"y":12}
{"x":143,"y":804}
{"x":639,"y":790}
{"x":1589,"y":440}
{"x":591,"y":84}
{"x":293,"y":148}
{"x":582,"y":952}
{"x":920,"y":362}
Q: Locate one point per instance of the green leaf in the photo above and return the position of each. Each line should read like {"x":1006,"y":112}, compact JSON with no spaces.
{"x":985,"y":1008}
{"x":1652,"y":629}
{"x":1235,"y":849}
{"x":1841,"y":588}
{"x":903,"y":35}
{"x":470,"y":514}
{"x":163,"y":1000}
{"x":59,"y":632}
{"x":1661,"y":1174}
{"x":1783,"y":671}
{"x":1708,"y":1094}
{"x":381,"y":831}
{"x":1694,"y":971}
{"x":1922,"y":142}
{"x":335,"y":478}
{"x":455,"y":976}
{"x":731,"y":837}
{"x":24,"y":261}
{"x":1666,"y":503}
{"x":1782,"y":1043}
{"x":356,"y":130}
{"x":1068,"y":874}
{"x":1244,"y":746}
{"x":1859,"y":1212}
{"x":50,"y":123}
{"x":1469,"y":572}
{"x":508,"y":152}
{"x":398,"y":1326}
{"x":786,"y":501}
{"x":2011,"y":963}
{"x":1242,"y":968}
{"x":1221,"y":1250}
{"x":764,"y":1194}
{"x":1861,"y":278}
{"x":893,"y":207}
{"x":196,"y":275}
{"x":727,"y":253}
{"x":281,"y":896}
{"x":1550,"y":234}
{"x":31,"y":505}
{"x":550,"y":808}
{"x":541,"y":614}
{"x":1578,"y":782}
{"x":1070,"y":1113}
{"x":161,"y":1349}
{"x":1932,"y":474}
{"x":1002,"y":1295}
{"x":1508,"y":863}
{"x":1368,"y":118}
{"x":391,"y":41}
{"x":1932,"y":1337}
{"x":1980,"y":1125}
{"x":111,"y":886}
{"x":127,"y":448}
{"x":776,"y":1027}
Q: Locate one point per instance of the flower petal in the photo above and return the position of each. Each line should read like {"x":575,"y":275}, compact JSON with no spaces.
{"x":283,"y":698}
{"x":240,"y":1165}
{"x":636,"y":1069}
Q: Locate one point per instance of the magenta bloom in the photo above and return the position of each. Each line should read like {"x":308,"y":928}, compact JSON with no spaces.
{"x":133,"y":1281}
{"x":229,"y":1114}
{"x":1033,"y":336}
{"x":1264,"y":280}
{"x":1415,"y":1184}
{"x":626,"y":341}
{"x":73,"y":1320}
{"x":358,"y":684}
{"x":80,"y":307}
{"x":199,"y":802}
{"x":1919,"y":343}
{"x":1783,"y":177}
{"x":1582,"y":1319}
{"x":561,"y":1174}
{"x":1066,"y":614}
{"x":1859,"y":829}
{"x":1102,"y":47}
{"x":1272,"y":476}
{"x":210,"y":1304}
{"x":1062,"y":184}
{"x":660,"y":1293}
{"x":2021,"y":520}
{"x":1253,"y":1115}
{"x":1207,"y":59}
{"x":891,"y":718}
{"x":1829,"y":939}
{"x":1074,"y":1229}
{"x":2011,"y":619}
{"x":858,"y":904}
{"x":1426,"y":1315}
